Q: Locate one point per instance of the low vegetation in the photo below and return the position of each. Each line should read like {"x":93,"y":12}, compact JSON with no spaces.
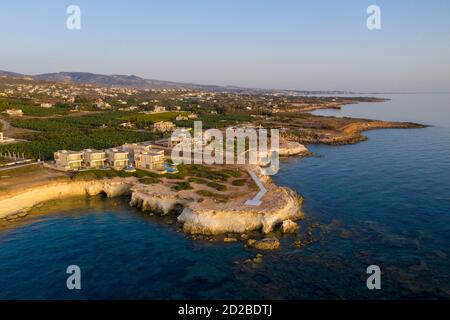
{"x":239,"y":182}
{"x":215,"y":196}
{"x":217,"y":186}
{"x":149,"y":180}
{"x":183,"y":186}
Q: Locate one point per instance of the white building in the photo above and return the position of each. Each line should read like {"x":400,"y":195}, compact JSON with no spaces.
{"x":159,"y":109}
{"x":69,"y":160}
{"x":14,"y":112}
{"x":94,"y":158}
{"x":164,"y":126}
{"x":181,"y":135}
{"x":117,"y":159}
{"x":150,"y":160}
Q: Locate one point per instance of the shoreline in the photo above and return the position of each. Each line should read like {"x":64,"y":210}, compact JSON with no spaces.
{"x":199,"y":216}
{"x":210,"y":216}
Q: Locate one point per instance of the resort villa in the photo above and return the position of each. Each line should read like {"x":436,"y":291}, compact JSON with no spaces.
{"x":94,"y":158}
{"x":140,"y":155}
{"x":144,"y":157}
{"x":117,"y":158}
{"x":69,"y":160}
{"x":134,"y":149}
{"x":150,"y":160}
{"x":182,"y":135}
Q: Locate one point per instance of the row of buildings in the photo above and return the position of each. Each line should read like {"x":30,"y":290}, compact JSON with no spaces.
{"x":138,"y":155}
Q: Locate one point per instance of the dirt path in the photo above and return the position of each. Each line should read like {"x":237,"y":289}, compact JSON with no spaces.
{"x":6,"y":124}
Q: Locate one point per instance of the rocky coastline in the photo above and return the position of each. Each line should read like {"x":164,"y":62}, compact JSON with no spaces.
{"x":196,"y":215}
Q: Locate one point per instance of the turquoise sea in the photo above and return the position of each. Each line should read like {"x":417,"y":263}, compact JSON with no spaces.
{"x":382,"y":202}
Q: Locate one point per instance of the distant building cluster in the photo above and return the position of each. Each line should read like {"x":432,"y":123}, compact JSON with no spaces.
{"x":14,"y":112}
{"x":138,"y":155}
{"x":164,"y":126}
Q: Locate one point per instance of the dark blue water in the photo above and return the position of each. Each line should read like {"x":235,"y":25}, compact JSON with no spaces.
{"x":385,"y":202}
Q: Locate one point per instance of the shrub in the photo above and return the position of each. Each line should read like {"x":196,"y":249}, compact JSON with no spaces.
{"x":183,"y":186}
{"x":197,"y":180}
{"x":149,"y":180}
{"x":231,"y":172}
{"x":215,"y":196}
{"x":239,"y":182}
{"x":217,"y":186}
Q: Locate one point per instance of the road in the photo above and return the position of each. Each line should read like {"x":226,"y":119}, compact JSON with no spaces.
{"x":19,"y":166}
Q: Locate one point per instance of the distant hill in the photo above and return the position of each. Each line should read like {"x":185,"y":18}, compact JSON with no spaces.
{"x":10,"y":74}
{"x":132,"y":81}
{"x":91,"y":78}
{"x":129,"y":81}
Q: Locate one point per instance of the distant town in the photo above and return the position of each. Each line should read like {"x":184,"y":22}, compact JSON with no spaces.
{"x":40,"y":116}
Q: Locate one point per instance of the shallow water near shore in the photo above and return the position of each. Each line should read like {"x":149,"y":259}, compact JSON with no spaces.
{"x":384,"y":202}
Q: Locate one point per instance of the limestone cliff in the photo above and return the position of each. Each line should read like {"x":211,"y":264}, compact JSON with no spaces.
{"x":28,"y":198}
{"x":199,"y":215}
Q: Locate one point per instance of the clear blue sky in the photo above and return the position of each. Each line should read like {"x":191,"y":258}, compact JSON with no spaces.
{"x":310,"y":44}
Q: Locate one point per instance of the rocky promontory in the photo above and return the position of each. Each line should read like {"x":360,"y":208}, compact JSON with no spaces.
{"x":199,"y":210}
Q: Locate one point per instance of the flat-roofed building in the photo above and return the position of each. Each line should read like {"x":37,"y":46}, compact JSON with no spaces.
{"x":150,"y":160}
{"x":164,"y":126}
{"x":69,"y":160}
{"x":117,"y":158}
{"x":14,"y":112}
{"x":135,"y":148}
{"x":182,"y":135}
{"x":94,"y":158}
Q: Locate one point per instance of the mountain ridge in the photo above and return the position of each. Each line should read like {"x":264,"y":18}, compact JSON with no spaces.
{"x":136,"y":82}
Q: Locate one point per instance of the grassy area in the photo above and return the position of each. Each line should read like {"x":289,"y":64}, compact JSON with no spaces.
{"x":215,"y":121}
{"x":183,"y":186}
{"x":217,"y":197}
{"x":45,"y":144}
{"x":198,"y":180}
{"x":217,"y":186}
{"x":239,"y":182}
{"x":149,"y":180}
{"x":144,"y":120}
{"x":74,"y":133}
{"x":102,"y":174}
{"x":205,"y":172}
{"x":29,"y":108}
{"x":22,"y":170}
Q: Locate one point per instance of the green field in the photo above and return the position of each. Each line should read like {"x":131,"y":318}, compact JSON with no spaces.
{"x":74,"y":133}
{"x":29,"y":108}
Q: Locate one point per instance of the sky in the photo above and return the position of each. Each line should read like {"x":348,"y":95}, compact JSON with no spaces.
{"x":283,"y":44}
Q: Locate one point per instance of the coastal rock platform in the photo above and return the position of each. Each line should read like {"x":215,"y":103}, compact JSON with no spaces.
{"x":196,"y":213}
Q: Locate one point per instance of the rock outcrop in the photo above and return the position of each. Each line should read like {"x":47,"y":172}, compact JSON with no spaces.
{"x":279,"y":204}
{"x":289,"y":226}
{"x":157,"y":198}
{"x":292,"y":148}
{"x":267,"y":244}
